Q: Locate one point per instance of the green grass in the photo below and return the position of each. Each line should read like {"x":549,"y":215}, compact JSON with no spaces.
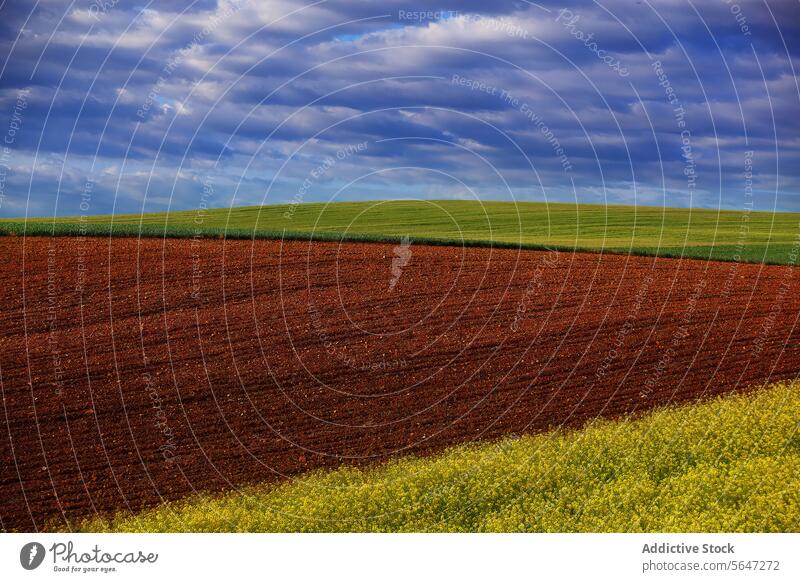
{"x":705,"y":234}
{"x":730,"y":464}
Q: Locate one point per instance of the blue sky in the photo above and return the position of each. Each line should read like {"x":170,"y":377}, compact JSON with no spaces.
{"x":117,"y":106}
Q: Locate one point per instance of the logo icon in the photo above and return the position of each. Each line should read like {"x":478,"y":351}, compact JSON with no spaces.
{"x":31,"y":555}
{"x":402,"y":256}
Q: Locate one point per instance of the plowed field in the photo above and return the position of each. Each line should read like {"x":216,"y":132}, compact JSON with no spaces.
{"x":137,"y":371}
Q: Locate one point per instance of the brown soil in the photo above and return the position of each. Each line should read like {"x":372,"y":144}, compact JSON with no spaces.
{"x":138,"y":371}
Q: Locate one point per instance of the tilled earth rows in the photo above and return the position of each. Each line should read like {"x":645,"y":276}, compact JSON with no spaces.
{"x":137,"y":371}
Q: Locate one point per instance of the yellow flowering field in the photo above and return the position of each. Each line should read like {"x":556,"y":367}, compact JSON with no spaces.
{"x":731,"y":464}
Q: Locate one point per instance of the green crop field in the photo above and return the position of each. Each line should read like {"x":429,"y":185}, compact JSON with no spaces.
{"x":731,"y":464}
{"x":705,"y":234}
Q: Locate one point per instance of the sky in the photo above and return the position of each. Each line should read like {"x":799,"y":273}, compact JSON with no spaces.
{"x":113,"y":106}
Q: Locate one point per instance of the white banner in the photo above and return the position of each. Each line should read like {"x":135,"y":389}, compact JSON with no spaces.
{"x":354,"y":557}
